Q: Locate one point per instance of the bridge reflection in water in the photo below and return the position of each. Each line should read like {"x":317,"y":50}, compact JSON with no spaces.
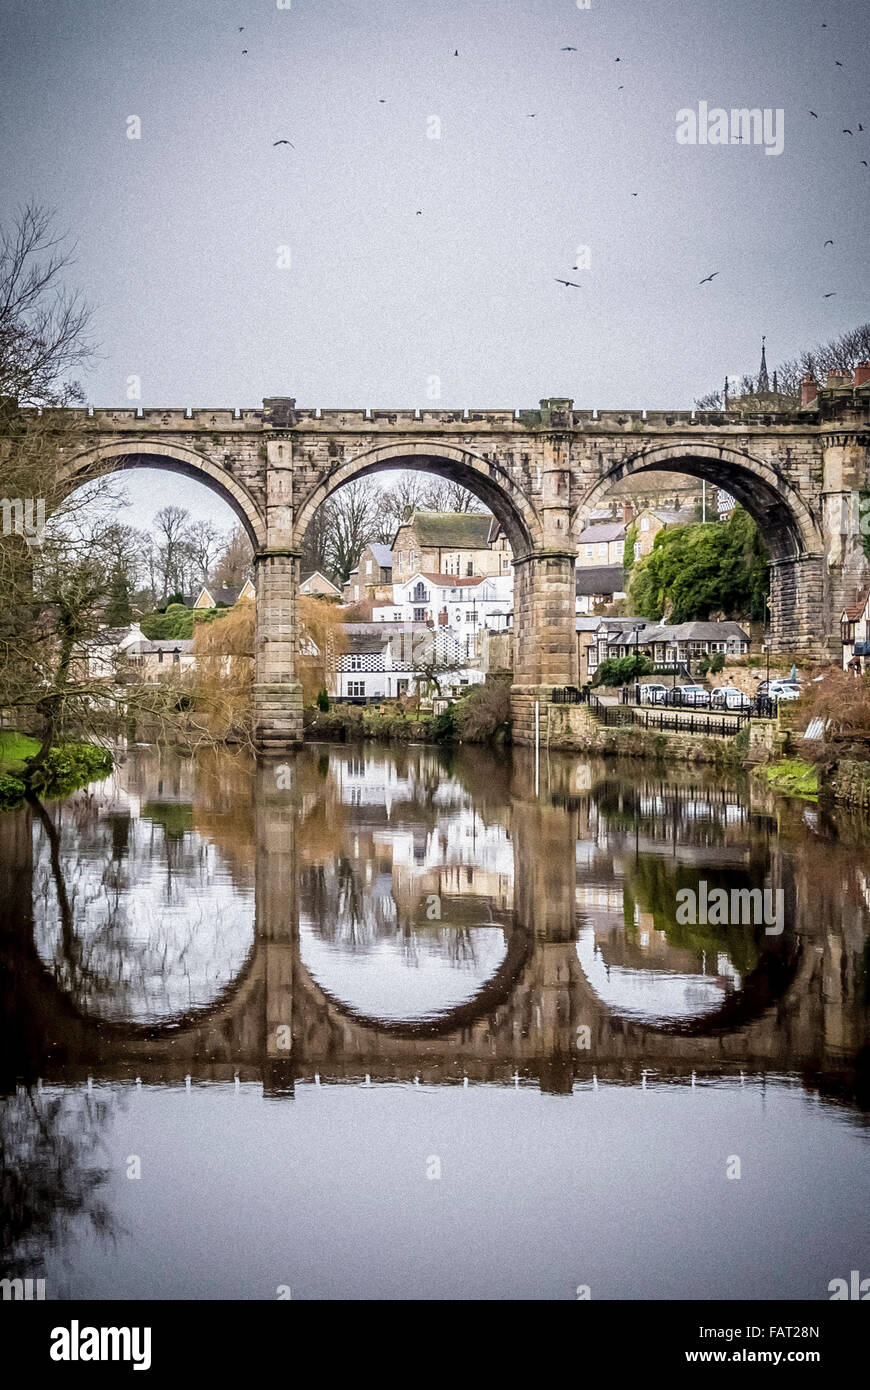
{"x":416,"y":915}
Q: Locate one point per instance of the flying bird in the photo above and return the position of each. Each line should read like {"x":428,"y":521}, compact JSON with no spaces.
{"x":244,"y":50}
{"x":566,"y":282}
{"x":634,"y":195}
{"x":283,"y":142}
{"x":829,"y":242}
{"x":847,"y":132}
{"x":829,"y":296}
{"x":708,"y":278}
{"x":456,"y":52}
{"x":568,"y":49}
{"x":866,"y":165}
{"x":241,"y":28}
{"x":860,"y":127}
{"x":837,"y":63}
{"x":617,"y":60}
{"x":382,"y":101}
{"x":419,"y":213}
{"x":531,"y":115}
{"x":815,"y":113}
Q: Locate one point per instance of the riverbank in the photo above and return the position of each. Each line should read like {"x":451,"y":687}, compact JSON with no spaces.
{"x":66,"y":768}
{"x":792,"y":777}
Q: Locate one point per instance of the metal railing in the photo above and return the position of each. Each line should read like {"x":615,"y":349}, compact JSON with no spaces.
{"x":671,"y":714}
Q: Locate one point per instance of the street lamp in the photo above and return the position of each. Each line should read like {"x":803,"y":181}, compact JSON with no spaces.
{"x":637,"y":629}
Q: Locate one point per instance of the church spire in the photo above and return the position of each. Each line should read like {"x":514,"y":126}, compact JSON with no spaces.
{"x":763,"y":382}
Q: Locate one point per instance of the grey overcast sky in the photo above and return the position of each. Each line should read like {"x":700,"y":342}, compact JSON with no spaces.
{"x":179,"y":231}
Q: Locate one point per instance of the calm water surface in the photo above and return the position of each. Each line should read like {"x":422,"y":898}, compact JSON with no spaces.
{"x":398,"y":1023}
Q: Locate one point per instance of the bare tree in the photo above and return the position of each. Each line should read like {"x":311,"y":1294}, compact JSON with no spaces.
{"x":204,"y":542}
{"x":354,"y":512}
{"x":315,"y":544}
{"x":171,"y":525}
{"x":234,"y":564}
{"x":43,"y":325}
{"x":446,"y":496}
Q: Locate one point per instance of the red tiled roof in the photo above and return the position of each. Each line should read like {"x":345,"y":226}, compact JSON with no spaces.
{"x":854,"y":612}
{"x":452,"y":581}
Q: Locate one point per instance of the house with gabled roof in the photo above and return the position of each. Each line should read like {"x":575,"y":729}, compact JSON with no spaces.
{"x":212,"y":596}
{"x":372,"y":578}
{"x":318,"y":585}
{"x":601,"y":543}
{"x":596,"y":585}
{"x":454,"y":543}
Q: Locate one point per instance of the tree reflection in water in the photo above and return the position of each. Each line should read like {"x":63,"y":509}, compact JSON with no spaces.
{"x":51,"y":1183}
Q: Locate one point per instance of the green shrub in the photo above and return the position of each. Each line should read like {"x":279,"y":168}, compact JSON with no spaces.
{"x":12,"y":792}
{"x":622,"y":670}
{"x":444,"y":725}
{"x":176,"y":624}
{"x":322,"y":701}
{"x":484,"y":714}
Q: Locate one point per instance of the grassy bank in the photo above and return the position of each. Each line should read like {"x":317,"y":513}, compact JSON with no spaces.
{"x":66,"y":767}
{"x":792,"y":778}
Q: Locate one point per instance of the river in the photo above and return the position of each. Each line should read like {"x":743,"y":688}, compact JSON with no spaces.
{"x":398,"y":1022}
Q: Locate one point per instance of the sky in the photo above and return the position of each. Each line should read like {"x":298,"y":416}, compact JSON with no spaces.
{"x":420,"y":265}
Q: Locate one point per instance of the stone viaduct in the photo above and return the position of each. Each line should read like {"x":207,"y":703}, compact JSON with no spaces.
{"x":800,"y":472}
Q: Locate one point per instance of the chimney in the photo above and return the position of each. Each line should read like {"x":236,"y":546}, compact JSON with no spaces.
{"x":442,"y":618}
{"x":627,"y":513}
{"x":809,"y":389}
{"x":862,"y":373}
{"x":839,"y":379}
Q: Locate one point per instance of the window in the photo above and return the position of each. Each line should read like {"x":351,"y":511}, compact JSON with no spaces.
{"x":356,"y":688}
{"x":644,"y":523}
{"x":176,"y":657}
{"x":368,"y":566}
{"x":356,"y":663}
{"x":397,"y":617}
{"x":419,"y":615}
{"x":160,"y":657}
{"x":420,"y":594}
{"x":602,"y":548}
{"x":637,"y":551}
{"x":469,"y":568}
{"x":589,"y":551}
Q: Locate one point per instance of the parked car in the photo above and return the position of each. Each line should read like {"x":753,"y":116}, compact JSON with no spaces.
{"x":729,"y":697}
{"x":763,"y":686}
{"x":653,"y":694}
{"x":691,"y":695}
{"x":784,"y":690}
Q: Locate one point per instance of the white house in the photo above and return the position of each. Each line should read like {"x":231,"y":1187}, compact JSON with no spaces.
{"x":461,"y":603}
{"x":108,"y":646}
{"x":387,"y":660}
